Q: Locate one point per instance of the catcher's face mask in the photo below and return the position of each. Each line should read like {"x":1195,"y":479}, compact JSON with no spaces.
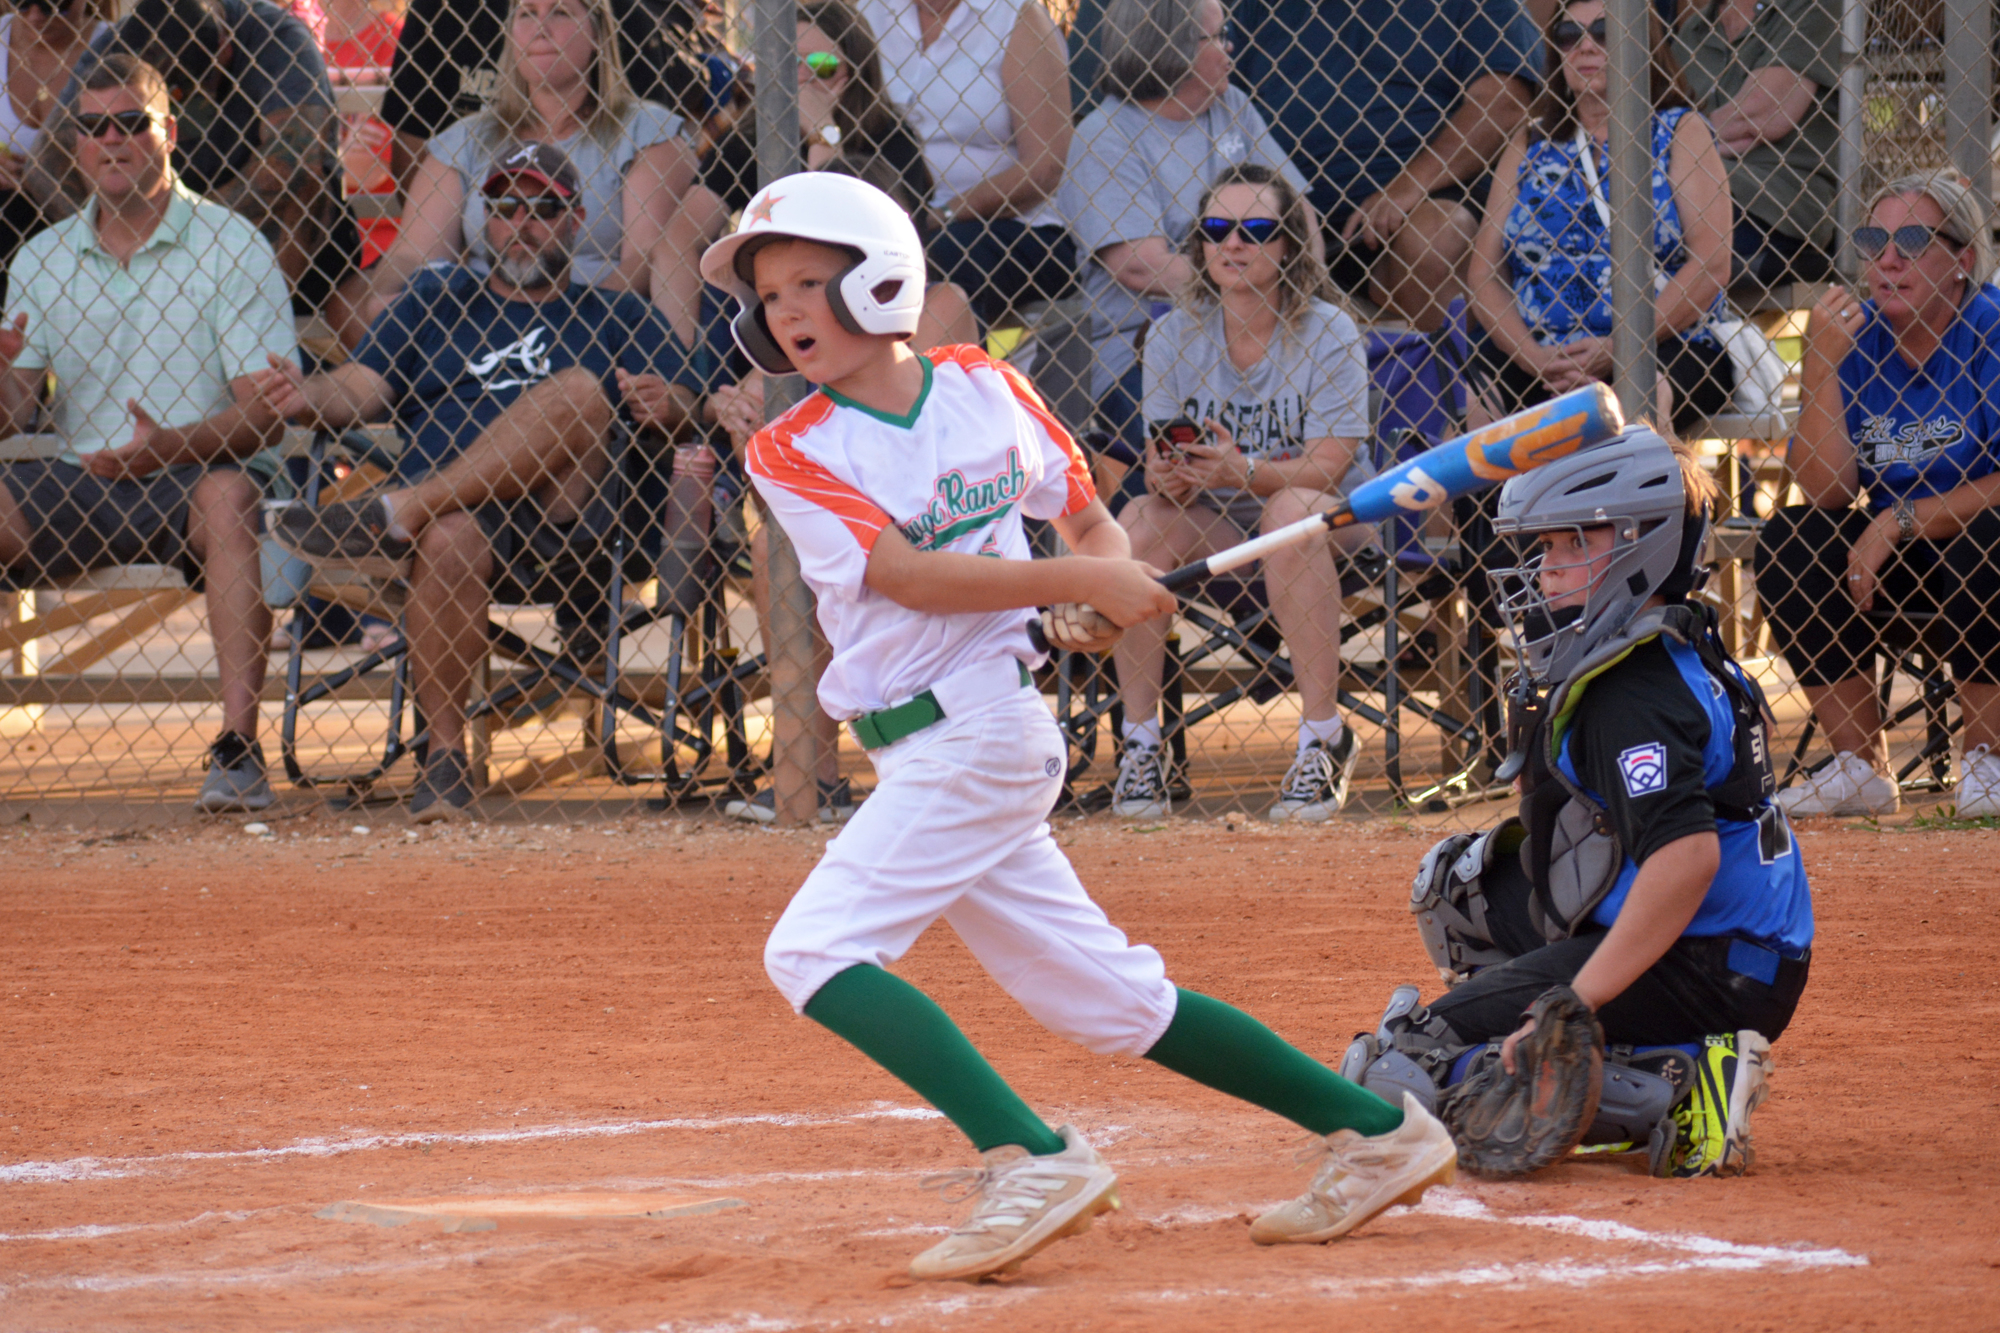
{"x":1560,"y":576}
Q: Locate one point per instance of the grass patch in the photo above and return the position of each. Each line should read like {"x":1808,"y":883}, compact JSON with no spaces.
{"x":1947,"y":817}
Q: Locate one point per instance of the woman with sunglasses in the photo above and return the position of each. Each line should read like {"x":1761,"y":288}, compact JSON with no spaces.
{"x":1540,"y":277}
{"x":562,"y":82}
{"x":1170,"y":123}
{"x":1900,"y":402}
{"x":40,"y":43}
{"x":1260,"y":362}
{"x":847,"y":122}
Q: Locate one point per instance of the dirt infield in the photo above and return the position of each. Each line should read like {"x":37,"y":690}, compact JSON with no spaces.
{"x":211,"y":1036}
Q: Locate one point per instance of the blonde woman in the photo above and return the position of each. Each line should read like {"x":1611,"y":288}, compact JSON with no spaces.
{"x":1900,"y":403}
{"x":1272,"y":376}
{"x":562,"y":82}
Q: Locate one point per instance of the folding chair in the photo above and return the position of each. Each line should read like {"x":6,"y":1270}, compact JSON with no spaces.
{"x":609,"y":553}
{"x":1914,"y":644}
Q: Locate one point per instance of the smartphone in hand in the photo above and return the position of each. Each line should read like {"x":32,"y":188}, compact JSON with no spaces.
{"x":1174,"y":438}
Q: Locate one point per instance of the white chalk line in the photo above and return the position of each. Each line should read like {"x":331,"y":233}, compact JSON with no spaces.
{"x":1692,"y":1253}
{"x":273,"y":1275}
{"x":116,"y":1168}
{"x":92,"y":1232}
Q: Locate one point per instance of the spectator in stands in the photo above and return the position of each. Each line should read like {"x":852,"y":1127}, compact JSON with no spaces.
{"x":1170,"y":124}
{"x":1541,"y":268}
{"x":152,"y":309}
{"x":360,"y":44}
{"x":449,"y":57}
{"x":1766,"y":74}
{"x":505,"y":385}
{"x":562,"y":83}
{"x":1261,"y":356}
{"x":986,"y":86}
{"x":1397,"y":111}
{"x":257,"y":130}
{"x":847,"y":122}
{"x":40,"y":44}
{"x":1900,"y":401}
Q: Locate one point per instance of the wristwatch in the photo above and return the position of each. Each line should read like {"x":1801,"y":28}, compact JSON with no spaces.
{"x":1906,"y":519}
{"x":1249,"y":472}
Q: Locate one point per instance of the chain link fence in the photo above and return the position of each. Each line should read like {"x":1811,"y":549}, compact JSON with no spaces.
{"x":360,"y":447}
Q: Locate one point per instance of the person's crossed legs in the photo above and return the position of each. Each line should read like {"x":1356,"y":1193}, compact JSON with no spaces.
{"x":548,"y":445}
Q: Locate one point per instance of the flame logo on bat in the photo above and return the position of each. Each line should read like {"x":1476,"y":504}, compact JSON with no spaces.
{"x":1522,"y":445}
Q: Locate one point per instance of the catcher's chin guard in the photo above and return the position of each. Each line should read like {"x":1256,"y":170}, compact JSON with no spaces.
{"x":1511,"y":1124}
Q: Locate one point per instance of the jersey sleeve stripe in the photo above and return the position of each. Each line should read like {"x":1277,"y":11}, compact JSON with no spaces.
{"x":774,"y":455}
{"x":1082,"y":490}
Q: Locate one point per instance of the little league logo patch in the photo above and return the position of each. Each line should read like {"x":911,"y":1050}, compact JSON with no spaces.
{"x":1645,"y":769}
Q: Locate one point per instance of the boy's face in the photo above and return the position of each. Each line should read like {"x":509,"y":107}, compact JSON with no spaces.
{"x":792,"y":278}
{"x":1573,"y":560}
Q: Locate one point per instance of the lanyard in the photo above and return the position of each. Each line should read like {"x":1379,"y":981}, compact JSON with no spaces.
{"x":1587,"y":152}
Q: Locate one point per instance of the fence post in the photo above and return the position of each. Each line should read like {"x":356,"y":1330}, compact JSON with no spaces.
{"x":1853,"y":122}
{"x":794,"y":756}
{"x":1631,"y":190}
{"x":1968,"y":89}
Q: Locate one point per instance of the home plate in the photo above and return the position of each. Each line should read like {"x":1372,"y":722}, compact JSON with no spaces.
{"x":526,"y":1212}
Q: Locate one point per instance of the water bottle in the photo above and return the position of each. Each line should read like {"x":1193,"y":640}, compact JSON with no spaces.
{"x":690,"y":515}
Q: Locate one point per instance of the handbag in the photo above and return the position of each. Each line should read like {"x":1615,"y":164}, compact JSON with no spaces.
{"x":1760,"y":371}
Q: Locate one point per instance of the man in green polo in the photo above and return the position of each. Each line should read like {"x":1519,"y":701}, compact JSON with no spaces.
{"x":151,"y":309}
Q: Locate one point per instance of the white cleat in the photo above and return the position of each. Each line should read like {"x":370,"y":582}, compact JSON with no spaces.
{"x":1025,"y":1204}
{"x":1363,"y":1176}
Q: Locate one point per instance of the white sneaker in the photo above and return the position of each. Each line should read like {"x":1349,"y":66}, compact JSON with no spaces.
{"x":1025,"y":1204}
{"x":1363,"y":1176}
{"x":1979,"y":783}
{"x":1846,"y":784}
{"x":1141,"y":789}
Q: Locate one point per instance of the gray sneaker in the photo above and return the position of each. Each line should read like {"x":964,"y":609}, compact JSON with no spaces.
{"x":444,"y":789}
{"x":353,"y":534}
{"x":1141,"y":790}
{"x":234,"y":783}
{"x":836,"y":804}
{"x":1316,"y":784}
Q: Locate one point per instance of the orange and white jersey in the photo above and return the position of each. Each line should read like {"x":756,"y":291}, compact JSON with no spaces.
{"x":978,"y":453}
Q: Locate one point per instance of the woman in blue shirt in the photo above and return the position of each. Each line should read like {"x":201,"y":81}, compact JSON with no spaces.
{"x":1901,"y":403}
{"x":1540,"y":277}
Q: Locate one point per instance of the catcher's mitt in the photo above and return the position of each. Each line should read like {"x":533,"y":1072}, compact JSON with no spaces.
{"x":1080,"y":629}
{"x":1511,"y":1124}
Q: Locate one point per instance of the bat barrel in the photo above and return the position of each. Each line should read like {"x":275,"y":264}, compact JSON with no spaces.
{"x":1488,"y":456}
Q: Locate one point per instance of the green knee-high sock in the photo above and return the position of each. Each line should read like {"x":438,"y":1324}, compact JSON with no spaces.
{"x":903,"y":1030}
{"x":1223,"y":1047}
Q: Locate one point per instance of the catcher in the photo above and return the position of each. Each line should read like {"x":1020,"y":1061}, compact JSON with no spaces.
{"x":1649,"y":894}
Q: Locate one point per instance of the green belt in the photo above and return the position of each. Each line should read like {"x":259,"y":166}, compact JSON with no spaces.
{"x":888,"y":725}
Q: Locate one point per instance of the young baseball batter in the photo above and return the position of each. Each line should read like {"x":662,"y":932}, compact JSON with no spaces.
{"x":904,"y":482}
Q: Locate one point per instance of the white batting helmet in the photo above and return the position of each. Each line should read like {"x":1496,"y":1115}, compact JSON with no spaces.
{"x":881,"y":292}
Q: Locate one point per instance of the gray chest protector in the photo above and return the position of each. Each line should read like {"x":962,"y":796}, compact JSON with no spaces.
{"x":1565,"y":838}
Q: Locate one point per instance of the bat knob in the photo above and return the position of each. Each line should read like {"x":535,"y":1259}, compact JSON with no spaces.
{"x":1039,"y":640}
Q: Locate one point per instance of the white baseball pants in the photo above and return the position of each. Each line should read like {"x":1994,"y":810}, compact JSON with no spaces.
{"x":958,"y":828}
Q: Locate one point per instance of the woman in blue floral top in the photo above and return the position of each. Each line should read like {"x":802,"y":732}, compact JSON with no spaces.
{"x":1540,"y":277}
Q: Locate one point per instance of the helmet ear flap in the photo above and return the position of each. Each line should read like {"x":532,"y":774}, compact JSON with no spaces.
{"x":836,"y":299}
{"x":1688,"y":576}
{"x":753,"y":336}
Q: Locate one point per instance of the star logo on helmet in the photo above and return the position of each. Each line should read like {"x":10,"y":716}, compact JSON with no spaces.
{"x":760,"y":212}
